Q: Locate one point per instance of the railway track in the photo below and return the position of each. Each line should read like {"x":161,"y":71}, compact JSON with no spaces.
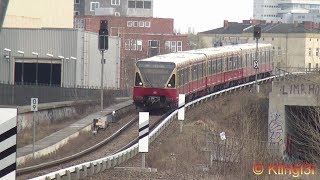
{"x":123,"y":138}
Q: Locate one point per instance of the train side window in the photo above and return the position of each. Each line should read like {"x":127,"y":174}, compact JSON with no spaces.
{"x":230,"y":65}
{"x":225,"y":64}
{"x":199,"y":71}
{"x":221,"y":65}
{"x":180,"y":76}
{"x":246,"y":59}
{"x":186,"y":75}
{"x":210,"y":67}
{"x":214,"y":66}
{"x":172,"y":82}
{"x":138,"y":81}
{"x":194,"y":71}
{"x":188,"y":71}
{"x":191,"y":73}
{"x":203,"y":69}
{"x":269,"y":52}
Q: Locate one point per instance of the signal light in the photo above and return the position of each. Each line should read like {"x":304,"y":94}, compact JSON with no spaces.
{"x":103,"y":35}
{"x":257,"y":32}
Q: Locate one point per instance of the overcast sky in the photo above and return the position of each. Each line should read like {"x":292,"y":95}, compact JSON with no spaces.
{"x":202,"y":14}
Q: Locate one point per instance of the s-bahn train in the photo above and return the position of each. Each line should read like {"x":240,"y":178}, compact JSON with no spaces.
{"x":160,"y":79}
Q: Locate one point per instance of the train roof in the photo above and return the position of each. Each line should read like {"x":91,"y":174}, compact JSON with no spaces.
{"x":180,"y":58}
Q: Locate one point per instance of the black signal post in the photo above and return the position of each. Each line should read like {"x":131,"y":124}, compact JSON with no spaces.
{"x":103,"y":46}
{"x":257,"y":36}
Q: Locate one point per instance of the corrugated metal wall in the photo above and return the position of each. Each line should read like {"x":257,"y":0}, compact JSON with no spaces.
{"x":58,"y":42}
{"x":62,"y":42}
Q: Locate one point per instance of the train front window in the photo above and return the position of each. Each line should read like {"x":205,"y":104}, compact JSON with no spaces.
{"x":155,"y":74}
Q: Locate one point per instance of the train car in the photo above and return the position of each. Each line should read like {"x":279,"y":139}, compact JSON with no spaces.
{"x":160,"y":79}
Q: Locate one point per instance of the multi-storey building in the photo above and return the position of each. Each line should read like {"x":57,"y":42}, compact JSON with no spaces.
{"x":3,"y":9}
{"x":295,"y":45}
{"x":39,"y":14}
{"x":141,"y":37}
{"x":137,"y":8}
{"x":266,"y":10}
{"x":287,"y":11}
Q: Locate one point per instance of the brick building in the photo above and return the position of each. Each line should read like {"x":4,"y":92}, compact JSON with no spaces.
{"x":141,"y":37}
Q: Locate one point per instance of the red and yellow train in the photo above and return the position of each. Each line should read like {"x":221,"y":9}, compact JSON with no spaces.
{"x":160,"y":79}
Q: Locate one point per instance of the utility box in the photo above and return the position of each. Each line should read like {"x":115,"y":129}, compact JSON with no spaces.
{"x":99,"y":123}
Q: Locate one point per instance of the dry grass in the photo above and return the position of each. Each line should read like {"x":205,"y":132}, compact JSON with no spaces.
{"x":176,"y":155}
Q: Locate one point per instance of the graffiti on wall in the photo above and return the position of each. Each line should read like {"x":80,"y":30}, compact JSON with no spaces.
{"x":276,"y":129}
{"x":301,"y":89}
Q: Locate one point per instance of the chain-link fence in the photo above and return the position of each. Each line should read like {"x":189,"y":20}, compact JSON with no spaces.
{"x":19,"y":95}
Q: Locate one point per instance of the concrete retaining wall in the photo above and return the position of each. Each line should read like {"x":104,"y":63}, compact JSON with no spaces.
{"x":53,"y":112}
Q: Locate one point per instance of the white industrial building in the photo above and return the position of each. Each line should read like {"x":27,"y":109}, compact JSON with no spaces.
{"x":287,"y":11}
{"x":25,"y":56}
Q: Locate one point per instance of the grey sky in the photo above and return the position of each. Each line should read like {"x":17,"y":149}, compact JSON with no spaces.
{"x":203,"y":14}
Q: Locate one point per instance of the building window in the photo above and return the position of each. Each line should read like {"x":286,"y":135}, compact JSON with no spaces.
{"x":139,"y":45}
{"x":127,"y":44}
{"x":147,"y":24}
{"x":167,"y":45}
{"x":116,"y":14}
{"x":77,"y":1}
{"x":115,"y":2}
{"x":153,"y":48}
{"x":173,"y":46}
{"x":135,"y":23}
{"x":147,"y":4}
{"x":139,"y":4}
{"x":179,"y":46}
{"x":94,"y":5}
{"x":279,"y":51}
{"x":132,"y":4}
{"x":309,"y":66}
{"x":133,"y":44}
{"x":317,"y":52}
{"x":141,"y":24}
{"x":310,"y":52}
{"x":76,"y":13}
{"x":129,"y":23}
{"x":272,"y":39}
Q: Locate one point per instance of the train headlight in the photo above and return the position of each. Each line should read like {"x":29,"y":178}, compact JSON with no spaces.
{"x":140,"y":83}
{"x":169,"y":85}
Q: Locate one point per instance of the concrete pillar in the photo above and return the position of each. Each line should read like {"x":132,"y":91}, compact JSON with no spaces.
{"x":109,"y":163}
{"x":91,"y":169}
{"x":84,"y":172}
{"x":67,"y":176}
{"x":98,"y":168}
{"x":76,"y":174}
{"x":104,"y":165}
{"x":58,"y":177}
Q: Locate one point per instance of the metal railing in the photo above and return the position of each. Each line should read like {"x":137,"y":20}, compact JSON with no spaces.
{"x":20,"y":95}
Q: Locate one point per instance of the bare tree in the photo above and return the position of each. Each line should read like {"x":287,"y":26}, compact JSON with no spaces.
{"x":303,"y":142}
